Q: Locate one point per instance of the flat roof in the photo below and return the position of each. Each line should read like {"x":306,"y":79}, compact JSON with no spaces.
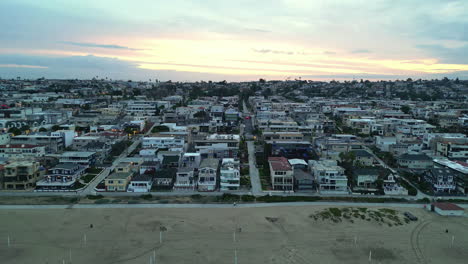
{"x":77,"y":153}
{"x":279,"y":163}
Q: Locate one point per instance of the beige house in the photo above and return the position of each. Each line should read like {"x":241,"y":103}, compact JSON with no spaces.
{"x":22,"y":175}
{"x":118,"y":181}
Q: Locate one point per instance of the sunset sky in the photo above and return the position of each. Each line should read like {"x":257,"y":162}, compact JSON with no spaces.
{"x":233,"y":40}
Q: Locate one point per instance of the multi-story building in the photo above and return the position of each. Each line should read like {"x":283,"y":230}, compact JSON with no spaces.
{"x":61,"y":177}
{"x":415,"y":161}
{"x":185,"y":179}
{"x":118,"y":181}
{"x":207,"y":175}
{"x":52,"y":143}
{"x":22,"y":175}
{"x":142,"y":108}
{"x":459,"y":169}
{"x":141,"y":183}
{"x":453,"y":149}
{"x":218,"y":146}
{"x":84,"y":158}
{"x":80,"y":142}
{"x":441,"y":179}
{"x":229,"y":174}
{"x":281,"y":173}
{"x":329,"y":176}
{"x":21,"y":151}
{"x":163,"y":142}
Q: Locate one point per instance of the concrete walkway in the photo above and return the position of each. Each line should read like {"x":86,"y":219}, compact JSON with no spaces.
{"x":247,"y":205}
{"x":253,"y":171}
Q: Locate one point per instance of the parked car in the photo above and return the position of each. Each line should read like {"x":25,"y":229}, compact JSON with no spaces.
{"x":410,"y":216}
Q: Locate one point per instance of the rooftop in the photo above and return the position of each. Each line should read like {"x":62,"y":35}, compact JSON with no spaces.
{"x":120,"y":175}
{"x":420,"y":157}
{"x":448,"y":207}
{"x":279,"y":163}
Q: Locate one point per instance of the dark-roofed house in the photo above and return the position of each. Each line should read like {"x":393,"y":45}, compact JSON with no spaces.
{"x":61,"y":177}
{"x":441,"y":179}
{"x":208,"y":173}
{"x":170,"y":161}
{"x":304,"y":181}
{"x":281,"y":174}
{"x":141,"y":183}
{"x":164,"y":179}
{"x":415,"y":161}
{"x":364,"y":157}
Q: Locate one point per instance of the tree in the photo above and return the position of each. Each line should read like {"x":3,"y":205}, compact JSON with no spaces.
{"x":86,"y":107}
{"x":267,"y":92}
{"x":15,"y":131}
{"x":55,"y":128}
{"x":405,"y":109}
{"x":201,"y":115}
{"x":42,"y":129}
{"x":158,"y":129}
{"x":24,"y":128}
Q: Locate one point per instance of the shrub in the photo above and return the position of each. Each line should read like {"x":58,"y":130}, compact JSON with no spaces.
{"x":146,"y":196}
{"x":247,"y":198}
{"x":196,"y":196}
{"x":282,"y":199}
{"x":95,"y":197}
{"x":335,"y":212}
{"x":227,"y":197}
{"x":102,"y":201}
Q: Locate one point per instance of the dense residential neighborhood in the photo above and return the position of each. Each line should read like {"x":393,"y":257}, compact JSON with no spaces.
{"x":385,"y":138}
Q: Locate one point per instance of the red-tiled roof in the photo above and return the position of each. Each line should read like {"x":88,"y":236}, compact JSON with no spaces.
{"x":279,"y":163}
{"x":448,"y":206}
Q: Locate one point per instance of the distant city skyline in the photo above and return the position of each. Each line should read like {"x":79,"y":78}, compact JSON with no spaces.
{"x":234,"y":40}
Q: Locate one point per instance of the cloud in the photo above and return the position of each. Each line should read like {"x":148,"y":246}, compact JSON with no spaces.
{"x":457,"y":55}
{"x":87,"y":67}
{"x":329,"y":52}
{"x":265,"y":51}
{"x":95,"y":45}
{"x":358,"y":51}
{"x":21,"y":66}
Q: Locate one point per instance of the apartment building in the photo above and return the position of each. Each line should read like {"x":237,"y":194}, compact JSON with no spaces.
{"x":142,"y":108}
{"x":453,"y":149}
{"x":61,"y":177}
{"x":229,"y":175}
{"x":163,"y":142}
{"x":22,"y":151}
{"x":52,"y":143}
{"x":22,"y":175}
{"x":84,"y":158}
{"x":441,"y":179}
{"x":185,"y":179}
{"x":329,"y":176}
{"x":218,"y":146}
{"x":208,"y":174}
{"x":118,"y":181}
{"x":281,"y":174}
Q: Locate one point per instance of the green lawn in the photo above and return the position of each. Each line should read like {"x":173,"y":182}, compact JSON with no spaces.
{"x":87,"y":178}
